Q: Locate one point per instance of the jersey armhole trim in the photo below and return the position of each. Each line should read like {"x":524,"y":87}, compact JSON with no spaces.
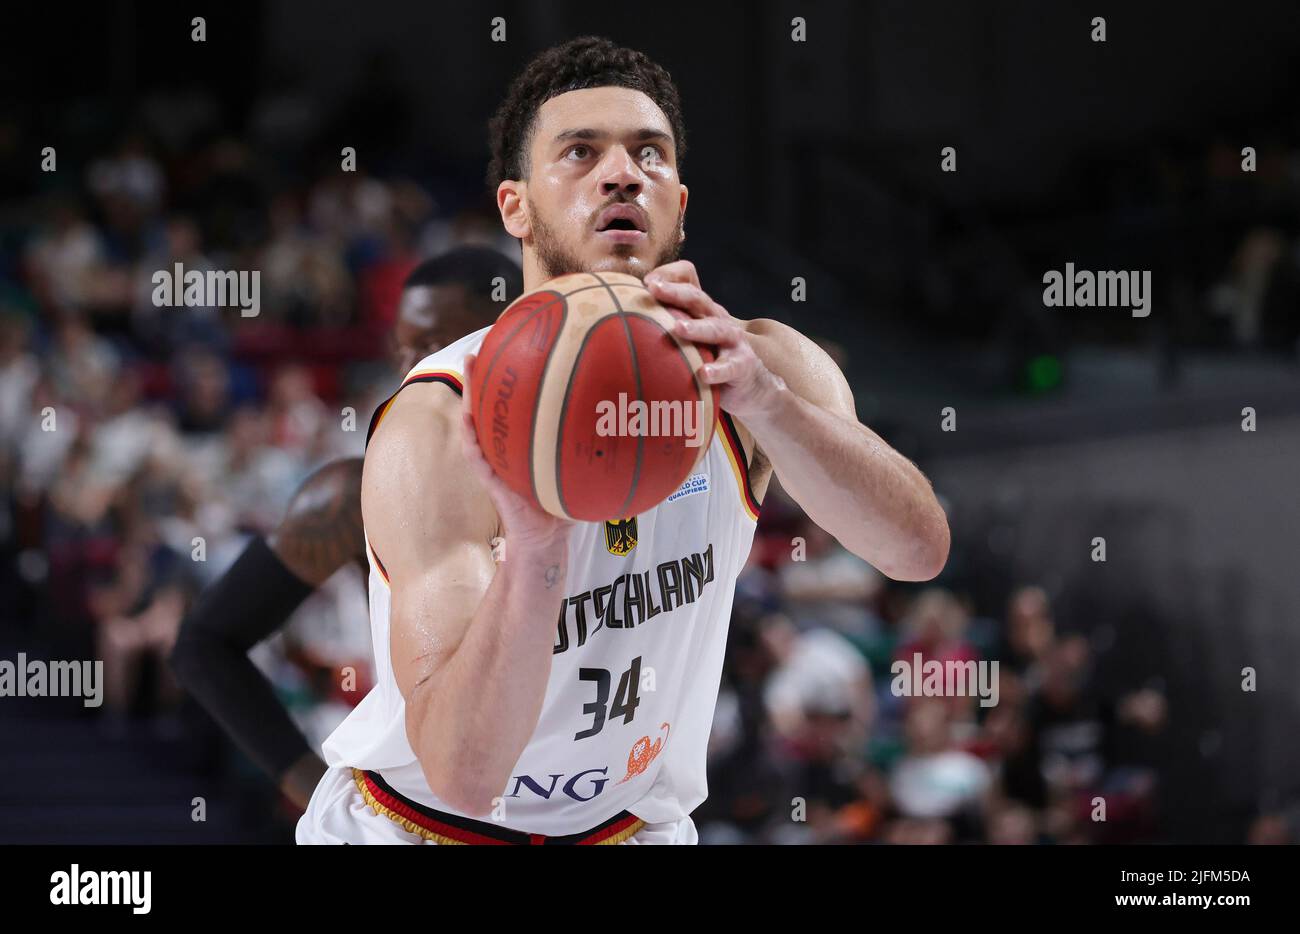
{"x":447,"y":377}
{"x":739,"y":465}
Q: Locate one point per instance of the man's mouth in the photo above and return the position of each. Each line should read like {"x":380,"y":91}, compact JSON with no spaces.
{"x":621,"y":223}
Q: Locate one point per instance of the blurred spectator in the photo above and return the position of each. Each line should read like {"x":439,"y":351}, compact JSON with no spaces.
{"x":81,"y":364}
{"x":1029,"y":632}
{"x":1013,"y":825}
{"x":138,"y":614}
{"x":296,"y":415}
{"x":249,"y":475}
{"x":934,"y":779}
{"x":126,"y":433}
{"x":19,"y":373}
{"x":832,"y":588}
{"x":204,"y":402}
{"x":63,"y":258}
{"x":818,"y":674}
{"x":304,"y":280}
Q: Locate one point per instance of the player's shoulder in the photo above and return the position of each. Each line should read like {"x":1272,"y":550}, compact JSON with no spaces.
{"x":416,"y":493}
{"x":776,"y":333}
{"x":418,"y":420}
{"x":421,"y":419}
{"x":770,"y":327}
{"x":782,"y":347}
{"x":414,"y":468}
{"x":428,"y":401}
{"x":808,"y":367}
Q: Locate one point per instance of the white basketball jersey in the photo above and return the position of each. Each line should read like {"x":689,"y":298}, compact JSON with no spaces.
{"x":637,"y":659}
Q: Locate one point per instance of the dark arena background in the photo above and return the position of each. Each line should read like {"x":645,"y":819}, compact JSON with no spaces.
{"x":893,"y":179}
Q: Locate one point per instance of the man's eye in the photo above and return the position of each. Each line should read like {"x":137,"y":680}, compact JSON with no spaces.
{"x":579,"y":152}
{"x":650,"y":152}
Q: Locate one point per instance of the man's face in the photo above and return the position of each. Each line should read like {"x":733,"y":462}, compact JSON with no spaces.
{"x":602,"y":192}
{"x":429,"y":317}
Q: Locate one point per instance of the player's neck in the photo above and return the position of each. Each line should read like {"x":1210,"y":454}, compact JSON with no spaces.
{"x":534,"y":272}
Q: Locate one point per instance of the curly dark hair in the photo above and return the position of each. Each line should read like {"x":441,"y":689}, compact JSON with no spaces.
{"x":585,"y":62}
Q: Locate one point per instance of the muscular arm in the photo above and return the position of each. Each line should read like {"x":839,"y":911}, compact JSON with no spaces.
{"x":255,"y":597}
{"x":844,"y":475}
{"x":797,"y":410}
{"x":471,"y":640}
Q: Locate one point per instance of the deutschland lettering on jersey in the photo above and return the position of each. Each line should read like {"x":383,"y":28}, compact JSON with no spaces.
{"x":644,"y":596}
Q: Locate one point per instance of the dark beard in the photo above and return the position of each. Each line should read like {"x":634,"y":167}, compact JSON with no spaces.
{"x":555,"y":260}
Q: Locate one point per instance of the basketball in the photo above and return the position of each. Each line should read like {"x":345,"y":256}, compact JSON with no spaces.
{"x":585,"y":401}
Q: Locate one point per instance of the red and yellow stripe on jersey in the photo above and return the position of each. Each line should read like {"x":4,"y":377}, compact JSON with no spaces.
{"x":447,"y":377}
{"x":443,"y":828}
{"x":739,"y":464}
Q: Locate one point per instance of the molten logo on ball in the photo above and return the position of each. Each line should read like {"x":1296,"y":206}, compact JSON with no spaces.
{"x":500,"y":415}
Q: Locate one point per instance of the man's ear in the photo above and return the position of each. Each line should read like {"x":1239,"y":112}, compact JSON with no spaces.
{"x":514,"y":214}
{"x":682,"y":211}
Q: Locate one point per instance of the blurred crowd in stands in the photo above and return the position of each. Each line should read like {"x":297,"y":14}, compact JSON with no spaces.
{"x":141,"y":446}
{"x":819,"y":737}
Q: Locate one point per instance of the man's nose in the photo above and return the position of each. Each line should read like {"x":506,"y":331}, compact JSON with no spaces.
{"x":619,"y":173}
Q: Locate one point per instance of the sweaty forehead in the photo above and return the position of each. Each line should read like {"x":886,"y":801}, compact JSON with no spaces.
{"x":612,"y":110}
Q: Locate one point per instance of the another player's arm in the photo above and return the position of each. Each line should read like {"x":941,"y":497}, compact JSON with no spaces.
{"x":471,"y":640}
{"x":794,"y":401}
{"x":320,"y":532}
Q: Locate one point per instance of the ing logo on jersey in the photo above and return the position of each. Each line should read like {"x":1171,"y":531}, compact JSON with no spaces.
{"x":620,"y":536}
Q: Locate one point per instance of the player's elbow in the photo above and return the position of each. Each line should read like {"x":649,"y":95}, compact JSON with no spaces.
{"x":927,"y":566}
{"x":462,"y":789}
{"x":472,"y":801}
{"x":460,"y":779}
{"x":924,"y":557}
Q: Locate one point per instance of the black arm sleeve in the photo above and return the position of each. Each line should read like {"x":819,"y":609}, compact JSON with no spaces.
{"x":249,"y":602}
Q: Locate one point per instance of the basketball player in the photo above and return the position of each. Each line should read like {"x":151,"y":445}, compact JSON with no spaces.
{"x":490,"y":722}
{"x":442,"y":300}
